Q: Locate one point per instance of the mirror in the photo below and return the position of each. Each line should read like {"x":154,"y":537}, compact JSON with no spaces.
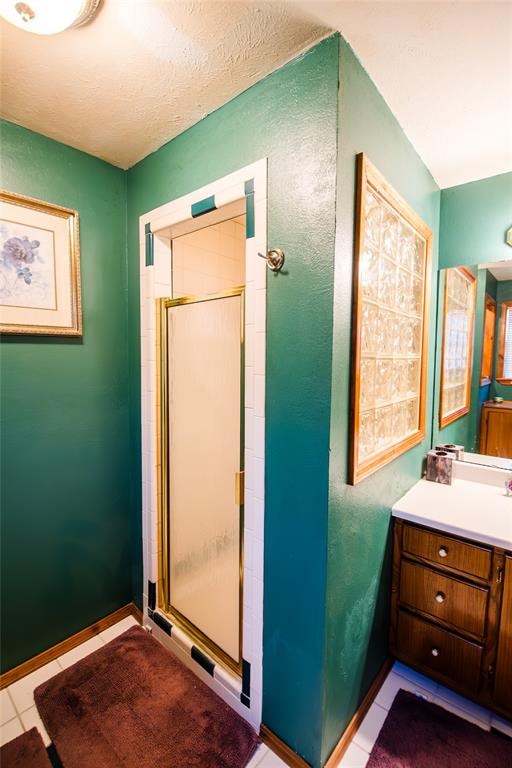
{"x":473,"y":376}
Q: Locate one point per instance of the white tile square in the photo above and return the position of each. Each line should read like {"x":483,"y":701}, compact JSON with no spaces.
{"x":247,"y":641}
{"x":259,"y":478}
{"x":259,"y":519}
{"x":248,"y":510}
{"x":249,"y":469}
{"x":271,"y":760}
{"x":22,"y":691}
{"x":248,"y":585}
{"x":367,"y":733}
{"x":30,"y":719}
{"x":258,"y":359}
{"x":260,"y":309}
{"x":412,"y":675}
{"x":258,"y":756}
{"x":10,"y":730}
{"x":257,"y":597}
{"x":248,"y":553}
{"x":260,"y":274}
{"x":249,"y":429}
{"x":257,"y":558}
{"x":393,"y":683}
{"x":354,"y":757}
{"x":228,"y":680}
{"x":81,"y":651}
{"x":117,"y":629}
{"x":258,"y":437}
{"x":463,"y":707}
{"x":250,"y":306}
{"x":7,"y":711}
{"x":505,"y":726}
{"x":249,"y":387}
{"x":250,"y":342}
{"x":259,"y":395}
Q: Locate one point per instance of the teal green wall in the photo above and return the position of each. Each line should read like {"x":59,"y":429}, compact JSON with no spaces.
{"x":359,"y":546}
{"x":65,"y":559}
{"x":291,"y":118}
{"x":474,"y":219}
{"x":71,"y":509}
{"x":503,"y":293}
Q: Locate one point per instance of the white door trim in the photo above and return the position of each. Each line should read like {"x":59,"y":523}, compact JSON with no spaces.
{"x":249,"y":184}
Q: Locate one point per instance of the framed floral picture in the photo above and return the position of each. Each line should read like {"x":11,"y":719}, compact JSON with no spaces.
{"x":39,"y":268}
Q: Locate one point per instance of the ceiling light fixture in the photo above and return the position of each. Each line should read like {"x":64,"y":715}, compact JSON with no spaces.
{"x":47,"y":17}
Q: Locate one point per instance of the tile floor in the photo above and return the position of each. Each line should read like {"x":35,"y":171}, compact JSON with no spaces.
{"x":18,"y":711}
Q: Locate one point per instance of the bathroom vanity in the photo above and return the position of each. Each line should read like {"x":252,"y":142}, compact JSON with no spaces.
{"x":451,"y":607}
{"x":496,"y":429}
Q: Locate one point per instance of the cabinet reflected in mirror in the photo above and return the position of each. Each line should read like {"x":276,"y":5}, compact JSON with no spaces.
{"x":473,"y":378}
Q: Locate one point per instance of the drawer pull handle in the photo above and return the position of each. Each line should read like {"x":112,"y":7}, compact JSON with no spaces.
{"x":440,"y":597}
{"x":443,"y":552}
{"x":435,"y":652}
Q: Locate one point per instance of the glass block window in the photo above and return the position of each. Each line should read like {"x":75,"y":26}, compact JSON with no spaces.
{"x":457,"y":359}
{"x":391,"y":285}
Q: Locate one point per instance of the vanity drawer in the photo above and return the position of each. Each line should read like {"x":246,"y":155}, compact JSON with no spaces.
{"x":462,"y":605}
{"x":472,"y":559}
{"x":440,"y":651}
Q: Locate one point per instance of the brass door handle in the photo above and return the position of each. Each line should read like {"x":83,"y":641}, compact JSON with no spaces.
{"x":239,"y":487}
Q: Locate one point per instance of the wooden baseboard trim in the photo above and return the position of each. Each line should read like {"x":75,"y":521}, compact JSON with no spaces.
{"x":281,"y":749}
{"x":359,"y":715}
{"x":292,"y":759}
{"x":66,"y":645}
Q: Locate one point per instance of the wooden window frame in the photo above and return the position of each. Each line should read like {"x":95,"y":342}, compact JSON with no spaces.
{"x":504,"y":307}
{"x":369,"y":176}
{"x":489,"y":303}
{"x":451,"y":417}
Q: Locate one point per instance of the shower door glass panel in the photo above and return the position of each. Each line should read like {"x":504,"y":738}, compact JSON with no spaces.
{"x":204,"y":450}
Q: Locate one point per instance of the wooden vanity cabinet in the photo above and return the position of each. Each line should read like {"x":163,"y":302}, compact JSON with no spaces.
{"x":503,"y":676}
{"x":451,"y":612}
{"x":496,"y":429}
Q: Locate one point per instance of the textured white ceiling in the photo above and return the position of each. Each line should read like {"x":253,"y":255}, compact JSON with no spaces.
{"x":145,"y":70}
{"x":445,"y":70}
{"x":502,"y":270}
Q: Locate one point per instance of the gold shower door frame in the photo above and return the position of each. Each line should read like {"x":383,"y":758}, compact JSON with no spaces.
{"x":163,"y":476}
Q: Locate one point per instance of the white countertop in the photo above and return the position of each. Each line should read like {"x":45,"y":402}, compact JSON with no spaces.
{"x":473,"y":510}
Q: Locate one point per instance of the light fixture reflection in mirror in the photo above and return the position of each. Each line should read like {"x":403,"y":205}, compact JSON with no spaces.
{"x":48,"y":17}
{"x":474,"y":358}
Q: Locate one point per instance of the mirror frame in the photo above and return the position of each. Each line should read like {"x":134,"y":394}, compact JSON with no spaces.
{"x":468,"y":275}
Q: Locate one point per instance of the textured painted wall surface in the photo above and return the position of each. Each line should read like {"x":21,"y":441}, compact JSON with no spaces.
{"x":503,"y":293}
{"x":64,"y":410}
{"x":291,"y":118}
{"x":359,"y":545}
{"x":474,"y":219}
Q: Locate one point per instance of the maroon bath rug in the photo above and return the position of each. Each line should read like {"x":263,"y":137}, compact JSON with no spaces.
{"x":418,"y":734}
{"x":25,"y":751}
{"x":132,"y":704}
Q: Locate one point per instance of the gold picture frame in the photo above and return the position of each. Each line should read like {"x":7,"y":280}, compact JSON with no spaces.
{"x":39,"y":267}
{"x":390,"y":325}
{"x":457,"y":347}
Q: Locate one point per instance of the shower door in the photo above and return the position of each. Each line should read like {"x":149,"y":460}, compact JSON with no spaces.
{"x":202,"y":461}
